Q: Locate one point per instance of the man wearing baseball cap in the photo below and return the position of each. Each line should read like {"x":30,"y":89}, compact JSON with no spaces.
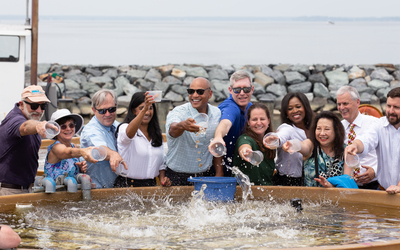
{"x":20,"y":139}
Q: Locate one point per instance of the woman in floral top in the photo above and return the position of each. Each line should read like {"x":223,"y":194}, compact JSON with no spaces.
{"x":62,"y":156}
{"x":326,"y":147}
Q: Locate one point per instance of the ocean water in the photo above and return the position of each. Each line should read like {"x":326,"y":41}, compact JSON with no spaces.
{"x":217,"y":42}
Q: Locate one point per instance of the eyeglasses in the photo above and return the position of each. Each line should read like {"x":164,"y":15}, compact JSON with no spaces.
{"x":199,"y":91}
{"x":110,"y":110}
{"x":238,"y":90}
{"x":71,"y":125}
{"x":35,"y":106}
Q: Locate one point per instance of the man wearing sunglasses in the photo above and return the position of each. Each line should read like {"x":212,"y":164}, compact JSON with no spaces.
{"x":100,"y":131}
{"x":233,"y":111}
{"x":187,"y":148}
{"x":20,"y":139}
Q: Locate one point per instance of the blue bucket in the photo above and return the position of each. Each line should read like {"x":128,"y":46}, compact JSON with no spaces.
{"x":218,"y":188}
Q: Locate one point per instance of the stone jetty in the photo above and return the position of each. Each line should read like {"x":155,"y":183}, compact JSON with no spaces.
{"x":271,"y":82}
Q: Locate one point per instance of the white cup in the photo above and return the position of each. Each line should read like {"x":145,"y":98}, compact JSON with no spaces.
{"x":99,"y":153}
{"x":255,"y":157}
{"x":157,"y":95}
{"x":121,"y":170}
{"x":271,"y":140}
{"x":295,"y":145}
{"x":52,"y":129}
{"x":352,"y":161}
{"x":218,"y":149}
{"x":201,"y":120}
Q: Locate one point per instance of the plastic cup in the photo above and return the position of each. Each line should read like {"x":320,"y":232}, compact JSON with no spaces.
{"x":271,"y":140}
{"x":121,"y":171}
{"x":99,"y":153}
{"x":295,"y":146}
{"x":255,"y":157}
{"x":157,"y":95}
{"x":352,"y":161}
{"x":52,"y":129}
{"x":218,"y":149}
{"x":201,"y":120}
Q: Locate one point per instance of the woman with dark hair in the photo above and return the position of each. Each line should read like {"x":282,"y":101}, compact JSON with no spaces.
{"x":258,"y":124}
{"x":323,"y":153}
{"x":296,"y":118}
{"x":140,"y":144}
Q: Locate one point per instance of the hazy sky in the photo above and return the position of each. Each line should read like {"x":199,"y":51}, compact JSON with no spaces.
{"x":220,"y":8}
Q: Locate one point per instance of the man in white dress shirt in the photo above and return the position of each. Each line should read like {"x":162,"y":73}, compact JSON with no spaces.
{"x":384,"y":136}
{"x":348,"y":101}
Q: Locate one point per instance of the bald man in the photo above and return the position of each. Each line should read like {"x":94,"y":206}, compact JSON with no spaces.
{"x":188,"y":153}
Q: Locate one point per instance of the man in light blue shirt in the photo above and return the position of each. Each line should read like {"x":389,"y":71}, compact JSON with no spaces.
{"x":100,"y":131}
{"x":188,"y":153}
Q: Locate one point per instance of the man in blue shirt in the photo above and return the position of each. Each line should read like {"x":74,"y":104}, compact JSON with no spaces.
{"x":100,"y":131}
{"x":188,"y":146}
{"x":233,"y":111}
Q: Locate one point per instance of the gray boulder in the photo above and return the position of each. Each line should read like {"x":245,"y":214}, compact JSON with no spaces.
{"x":188,"y":80}
{"x":258,"y":89}
{"x":320,"y":68}
{"x":171,"y":80}
{"x":266,"y":97}
{"x":179,"y":89}
{"x":337,"y":77}
{"x":161,"y":86}
{"x":76,"y":93}
{"x":294,"y":77}
{"x":278,"y":77}
{"x":264,"y":69}
{"x":282,"y":67}
{"x":112,"y":73}
{"x":135,"y":74}
{"x":303,"y":87}
{"x":382,"y":94}
{"x":100,"y":80}
{"x":277,"y":89}
{"x":91,"y":87}
{"x":359,"y":82}
{"x":381,"y":74}
{"x":301,"y":68}
{"x":355,"y":72}
{"x":218,"y":74}
{"x":166,"y":70}
{"x":378,"y":84}
{"x":367,"y":68}
{"x":129,"y":90}
{"x":79,"y":78}
{"x":228,"y":68}
{"x":394,"y":84}
{"x":153,"y":76}
{"x":197,"y":72}
{"x":43,"y":68}
{"x":94,"y":72}
{"x":320,"y":90}
{"x":396,"y":75}
{"x":71,"y":84}
{"x":123,"y":101}
{"x":319,"y":77}
{"x":144,"y":85}
{"x":174,"y":97}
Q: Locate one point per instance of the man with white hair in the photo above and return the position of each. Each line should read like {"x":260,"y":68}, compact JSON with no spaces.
{"x":20,"y":139}
{"x":100,"y":131}
{"x":355,"y":125}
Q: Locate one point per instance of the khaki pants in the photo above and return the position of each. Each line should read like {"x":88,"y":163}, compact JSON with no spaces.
{"x":12,"y":191}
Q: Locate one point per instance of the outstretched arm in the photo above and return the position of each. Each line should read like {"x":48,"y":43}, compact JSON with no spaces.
{"x":135,"y":123}
{"x":31,"y":127}
{"x":176,"y":129}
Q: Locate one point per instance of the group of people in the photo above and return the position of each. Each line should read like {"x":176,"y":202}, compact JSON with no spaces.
{"x":136,"y":155}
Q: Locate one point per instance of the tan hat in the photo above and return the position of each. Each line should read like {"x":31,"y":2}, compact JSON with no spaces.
{"x":34,"y":93}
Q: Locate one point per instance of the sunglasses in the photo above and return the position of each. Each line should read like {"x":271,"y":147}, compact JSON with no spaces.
{"x":199,"y":91}
{"x":110,"y":110}
{"x":238,"y":90}
{"x":71,"y":125}
{"x":35,"y":106}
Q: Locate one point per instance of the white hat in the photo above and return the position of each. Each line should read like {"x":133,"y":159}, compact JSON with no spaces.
{"x":66,"y":113}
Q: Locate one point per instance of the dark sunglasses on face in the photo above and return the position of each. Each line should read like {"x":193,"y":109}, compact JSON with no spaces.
{"x":64,"y":126}
{"x":199,"y":91}
{"x":35,"y":106}
{"x":238,"y":90}
{"x":110,"y":110}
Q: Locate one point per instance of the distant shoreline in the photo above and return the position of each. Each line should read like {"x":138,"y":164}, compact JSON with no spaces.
{"x":223,"y":19}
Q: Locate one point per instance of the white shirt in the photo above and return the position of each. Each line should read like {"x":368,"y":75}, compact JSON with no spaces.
{"x":144,"y":161}
{"x":385,"y":138}
{"x":363,"y":123}
{"x":289,"y":164}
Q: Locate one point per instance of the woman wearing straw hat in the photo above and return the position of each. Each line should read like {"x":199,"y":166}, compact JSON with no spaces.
{"x":62,"y":156}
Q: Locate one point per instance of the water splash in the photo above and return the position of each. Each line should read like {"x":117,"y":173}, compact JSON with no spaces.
{"x":244,"y":182}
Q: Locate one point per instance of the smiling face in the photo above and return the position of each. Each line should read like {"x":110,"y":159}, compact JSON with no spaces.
{"x":347,"y":107}
{"x":108,"y":118}
{"x":324,"y":132}
{"x":147,"y":116}
{"x":242,"y":99}
{"x":258,"y":121}
{"x":393,"y":111}
{"x":296,"y":111}
{"x":66,"y":134}
{"x":30,"y":113}
{"x":200,"y":102}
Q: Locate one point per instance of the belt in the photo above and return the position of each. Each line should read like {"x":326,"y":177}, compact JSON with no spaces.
{"x":5,"y":185}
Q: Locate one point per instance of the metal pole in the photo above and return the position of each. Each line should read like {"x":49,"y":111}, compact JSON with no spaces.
{"x":34,"y":50}
{"x":28,"y":20}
